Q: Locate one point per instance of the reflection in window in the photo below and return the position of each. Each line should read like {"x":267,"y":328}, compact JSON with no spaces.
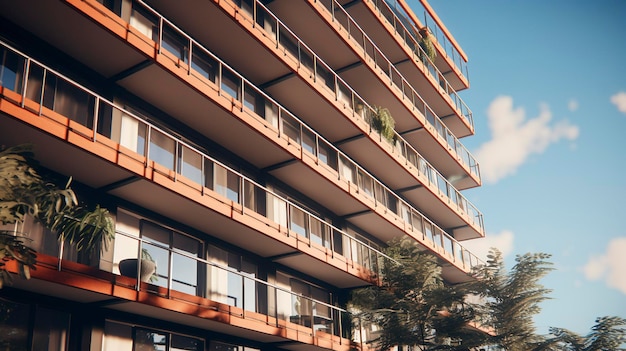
{"x":14,"y":325}
{"x":235,"y":286}
{"x":167,"y":247}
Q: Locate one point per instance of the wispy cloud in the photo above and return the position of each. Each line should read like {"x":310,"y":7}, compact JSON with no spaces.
{"x":572,"y":105}
{"x":619,"y":100}
{"x":514,"y":138}
{"x":502,"y":241}
{"x":610,"y":266}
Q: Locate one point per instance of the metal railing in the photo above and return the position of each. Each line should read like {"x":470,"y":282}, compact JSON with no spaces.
{"x":107,"y":119}
{"x":449,"y":49}
{"x":412,"y":40}
{"x":272,"y":26}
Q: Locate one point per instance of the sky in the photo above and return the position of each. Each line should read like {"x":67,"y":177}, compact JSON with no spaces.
{"x":548,"y":96}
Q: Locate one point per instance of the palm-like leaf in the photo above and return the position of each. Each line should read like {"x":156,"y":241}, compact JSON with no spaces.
{"x":23,"y":191}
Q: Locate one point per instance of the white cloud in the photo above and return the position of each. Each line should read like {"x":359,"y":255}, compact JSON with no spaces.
{"x":610,"y":266}
{"x":619,"y":100}
{"x":514,"y":138}
{"x":572,"y":105}
{"x":503,"y":241}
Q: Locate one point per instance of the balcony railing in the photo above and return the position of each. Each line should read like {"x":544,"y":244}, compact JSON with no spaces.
{"x":38,"y":83}
{"x":450,"y":50}
{"x":396,"y":78}
{"x":324,"y":75}
{"x":412,"y":41}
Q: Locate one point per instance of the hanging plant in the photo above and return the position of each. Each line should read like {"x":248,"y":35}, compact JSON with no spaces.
{"x":384,"y":123}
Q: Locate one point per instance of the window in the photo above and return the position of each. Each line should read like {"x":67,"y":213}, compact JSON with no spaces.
{"x":123,"y":337}
{"x":32,"y":327}
{"x":235,"y":286}
{"x":306,"y":305}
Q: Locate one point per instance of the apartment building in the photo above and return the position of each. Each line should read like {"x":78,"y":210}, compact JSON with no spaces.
{"x":235,"y":143}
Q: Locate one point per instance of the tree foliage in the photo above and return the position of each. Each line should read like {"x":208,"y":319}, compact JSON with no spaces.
{"x":512,"y":297}
{"x":23,"y":191}
{"x":608,"y":334}
{"x":413,"y":306}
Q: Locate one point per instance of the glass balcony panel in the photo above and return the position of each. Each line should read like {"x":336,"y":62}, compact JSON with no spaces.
{"x":145,"y":22}
{"x":11,"y":70}
{"x":366,"y":183}
{"x":204,"y":64}
{"x":277,"y":209}
{"x":231,"y":83}
{"x":291,"y":127}
{"x":325,"y":77}
{"x":176,"y":43}
{"x":250,"y":192}
{"x":191,"y":164}
{"x":309,"y":141}
{"x":298,"y":221}
{"x":162,"y":149}
{"x":327,"y":154}
{"x":347,"y":170}
{"x":226,"y":183}
{"x":319,"y":232}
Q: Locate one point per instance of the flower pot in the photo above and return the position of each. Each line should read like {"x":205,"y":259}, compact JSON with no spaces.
{"x":128,"y":267}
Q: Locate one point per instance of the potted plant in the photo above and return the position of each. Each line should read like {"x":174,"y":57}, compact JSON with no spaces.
{"x":23,"y":191}
{"x":384,"y":123}
{"x":147,"y":270}
{"x":427,"y":45}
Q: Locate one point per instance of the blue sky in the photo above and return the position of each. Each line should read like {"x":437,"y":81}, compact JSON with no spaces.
{"x":548,"y":93}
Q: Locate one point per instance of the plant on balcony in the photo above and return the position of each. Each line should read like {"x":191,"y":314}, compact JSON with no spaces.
{"x":426,"y":43}
{"x":147,"y":270}
{"x":384,"y":123}
{"x":23,"y":191}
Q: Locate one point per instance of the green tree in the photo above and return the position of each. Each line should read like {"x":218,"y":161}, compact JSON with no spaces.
{"x":512,"y":298}
{"x":608,"y":334}
{"x":23,"y":191}
{"x":413,"y":306}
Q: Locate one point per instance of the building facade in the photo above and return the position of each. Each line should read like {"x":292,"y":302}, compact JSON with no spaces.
{"x":238,"y":144}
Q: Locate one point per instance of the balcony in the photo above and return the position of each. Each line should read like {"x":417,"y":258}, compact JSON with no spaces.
{"x":156,"y":169}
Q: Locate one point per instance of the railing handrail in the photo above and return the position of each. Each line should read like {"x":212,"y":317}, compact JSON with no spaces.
{"x":444,"y":41}
{"x":424,"y":56}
